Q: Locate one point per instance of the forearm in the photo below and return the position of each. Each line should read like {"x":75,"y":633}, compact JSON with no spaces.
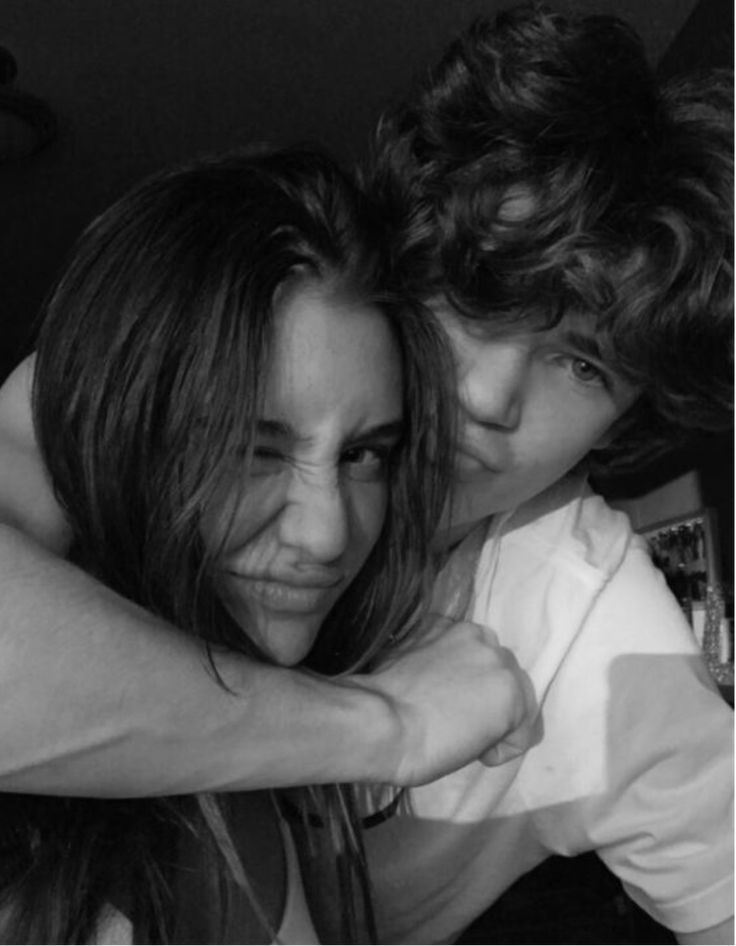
{"x":99,"y":698}
{"x":722,"y":933}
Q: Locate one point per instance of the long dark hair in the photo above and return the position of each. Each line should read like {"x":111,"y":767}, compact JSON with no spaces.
{"x":630,"y":185}
{"x":150,"y":369}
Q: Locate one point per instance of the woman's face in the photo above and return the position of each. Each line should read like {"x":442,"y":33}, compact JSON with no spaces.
{"x":302,"y":520}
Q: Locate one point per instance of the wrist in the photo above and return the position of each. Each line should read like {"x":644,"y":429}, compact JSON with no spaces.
{"x":363,"y":732}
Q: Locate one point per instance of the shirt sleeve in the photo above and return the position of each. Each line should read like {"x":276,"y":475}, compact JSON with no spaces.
{"x":638,"y":754}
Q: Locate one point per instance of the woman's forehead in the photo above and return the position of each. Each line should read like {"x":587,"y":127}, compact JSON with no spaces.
{"x":334,"y":360}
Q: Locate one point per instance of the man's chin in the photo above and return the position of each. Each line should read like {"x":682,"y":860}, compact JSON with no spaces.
{"x":464,"y":511}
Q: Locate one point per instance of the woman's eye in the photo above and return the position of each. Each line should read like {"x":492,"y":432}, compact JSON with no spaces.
{"x":265,"y":461}
{"x":366,"y":463}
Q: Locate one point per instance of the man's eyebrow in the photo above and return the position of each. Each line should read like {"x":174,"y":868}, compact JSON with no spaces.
{"x":584,"y":343}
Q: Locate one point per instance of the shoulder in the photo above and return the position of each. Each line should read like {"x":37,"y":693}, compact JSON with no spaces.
{"x":544,"y":566}
{"x":27,"y":501}
{"x":629,"y":706}
{"x":569,"y":587}
{"x":15,"y":404}
{"x":570,"y":526}
{"x":113,"y":928}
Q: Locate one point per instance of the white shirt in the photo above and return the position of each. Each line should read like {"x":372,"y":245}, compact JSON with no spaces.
{"x":634,"y":758}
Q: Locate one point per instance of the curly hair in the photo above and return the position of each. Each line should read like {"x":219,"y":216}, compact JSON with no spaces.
{"x":628,"y":189}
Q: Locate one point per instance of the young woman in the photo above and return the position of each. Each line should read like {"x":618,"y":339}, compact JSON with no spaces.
{"x":238,"y":424}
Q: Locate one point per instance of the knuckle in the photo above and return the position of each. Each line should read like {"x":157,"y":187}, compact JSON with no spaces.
{"x":513,"y":695}
{"x":482,"y":633}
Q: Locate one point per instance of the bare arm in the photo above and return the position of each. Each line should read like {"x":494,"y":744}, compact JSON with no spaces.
{"x":714,"y":935}
{"x":97,"y":697}
{"x":26,"y":498}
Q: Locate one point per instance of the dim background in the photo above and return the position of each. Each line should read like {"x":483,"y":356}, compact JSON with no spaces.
{"x":136,"y":85}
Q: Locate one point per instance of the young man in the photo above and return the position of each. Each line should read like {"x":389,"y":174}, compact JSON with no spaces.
{"x":568,"y":223}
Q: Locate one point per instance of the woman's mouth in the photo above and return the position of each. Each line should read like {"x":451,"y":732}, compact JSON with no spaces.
{"x":276,"y":595}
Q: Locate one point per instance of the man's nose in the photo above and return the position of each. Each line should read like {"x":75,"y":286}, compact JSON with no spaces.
{"x":492,"y":380}
{"x":315,"y":517}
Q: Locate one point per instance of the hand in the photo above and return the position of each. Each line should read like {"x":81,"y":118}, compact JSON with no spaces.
{"x":459,"y":696}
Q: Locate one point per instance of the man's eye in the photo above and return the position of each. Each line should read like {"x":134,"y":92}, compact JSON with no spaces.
{"x":586,"y":372}
{"x":366,"y":463}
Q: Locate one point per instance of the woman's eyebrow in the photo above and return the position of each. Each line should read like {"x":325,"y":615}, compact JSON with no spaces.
{"x":279,"y":429}
{"x":273,"y":428}
{"x":390,"y":430}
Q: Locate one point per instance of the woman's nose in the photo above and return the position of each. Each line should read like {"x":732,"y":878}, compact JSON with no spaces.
{"x":315,"y":516}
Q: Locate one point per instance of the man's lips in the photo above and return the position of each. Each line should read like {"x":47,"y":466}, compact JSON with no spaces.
{"x":470,"y":463}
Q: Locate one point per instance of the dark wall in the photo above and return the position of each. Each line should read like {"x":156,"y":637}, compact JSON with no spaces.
{"x":138,"y":84}
{"x":704,"y":41}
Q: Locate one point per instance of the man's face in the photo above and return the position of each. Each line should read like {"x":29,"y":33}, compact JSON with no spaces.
{"x":532,"y":405}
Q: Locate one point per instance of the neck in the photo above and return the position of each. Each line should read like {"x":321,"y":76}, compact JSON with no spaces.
{"x":448,"y":538}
